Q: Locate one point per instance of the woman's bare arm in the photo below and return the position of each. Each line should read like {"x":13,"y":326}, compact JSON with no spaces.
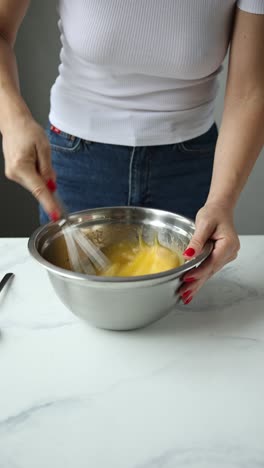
{"x":12,"y":13}
{"x":241,"y":135}
{"x":25,"y":145}
{"x":241,"y":138}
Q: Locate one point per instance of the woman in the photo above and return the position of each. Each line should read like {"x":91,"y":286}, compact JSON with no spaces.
{"x":131,"y":118}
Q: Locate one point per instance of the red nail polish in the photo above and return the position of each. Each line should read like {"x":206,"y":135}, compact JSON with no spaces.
{"x":186,"y":294}
{"x":54,"y":216}
{"x":51,"y":185}
{"x":189,"y":280}
{"x":188,"y":301}
{"x":189,"y":252}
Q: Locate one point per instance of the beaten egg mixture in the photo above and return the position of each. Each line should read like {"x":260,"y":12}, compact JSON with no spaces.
{"x":130,"y":259}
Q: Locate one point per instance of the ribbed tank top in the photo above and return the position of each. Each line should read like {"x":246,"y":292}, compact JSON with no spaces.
{"x":141,"y":72}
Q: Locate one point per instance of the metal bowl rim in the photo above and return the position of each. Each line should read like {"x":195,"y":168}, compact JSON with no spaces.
{"x":116,"y":279}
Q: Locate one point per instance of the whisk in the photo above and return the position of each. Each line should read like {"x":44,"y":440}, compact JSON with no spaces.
{"x":84,"y":256}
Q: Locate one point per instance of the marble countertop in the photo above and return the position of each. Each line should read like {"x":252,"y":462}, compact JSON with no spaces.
{"x":186,"y":392}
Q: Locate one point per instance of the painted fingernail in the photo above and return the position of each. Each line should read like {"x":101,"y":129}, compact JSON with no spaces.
{"x":51,"y":185}
{"x":189,"y":252}
{"x":54,"y":216}
{"x":189,"y":280}
{"x":186,"y":294}
{"x":188,"y":301}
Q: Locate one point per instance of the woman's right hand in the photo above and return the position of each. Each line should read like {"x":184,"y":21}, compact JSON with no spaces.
{"x":27,"y":156}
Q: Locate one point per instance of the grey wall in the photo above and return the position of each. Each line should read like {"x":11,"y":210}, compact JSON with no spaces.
{"x":37,"y":52}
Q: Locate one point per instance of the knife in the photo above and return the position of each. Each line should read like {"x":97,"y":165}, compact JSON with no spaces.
{"x":6,"y":280}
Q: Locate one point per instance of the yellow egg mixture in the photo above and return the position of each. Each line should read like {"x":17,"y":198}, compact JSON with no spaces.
{"x":130,"y":259}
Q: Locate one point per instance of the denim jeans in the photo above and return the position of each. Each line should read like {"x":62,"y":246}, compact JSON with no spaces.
{"x":173,"y":177}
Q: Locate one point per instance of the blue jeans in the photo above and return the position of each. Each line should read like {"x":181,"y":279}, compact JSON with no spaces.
{"x":168,"y":177}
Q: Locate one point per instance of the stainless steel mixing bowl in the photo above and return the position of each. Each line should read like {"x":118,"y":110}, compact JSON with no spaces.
{"x":117,"y":303}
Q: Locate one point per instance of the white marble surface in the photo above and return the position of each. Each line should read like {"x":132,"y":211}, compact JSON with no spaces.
{"x":185,"y":392}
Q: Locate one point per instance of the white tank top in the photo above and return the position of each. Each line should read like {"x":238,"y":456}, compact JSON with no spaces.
{"x":141,"y":72}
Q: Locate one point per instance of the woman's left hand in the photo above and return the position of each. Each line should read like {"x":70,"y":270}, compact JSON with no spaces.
{"x":214,"y":221}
